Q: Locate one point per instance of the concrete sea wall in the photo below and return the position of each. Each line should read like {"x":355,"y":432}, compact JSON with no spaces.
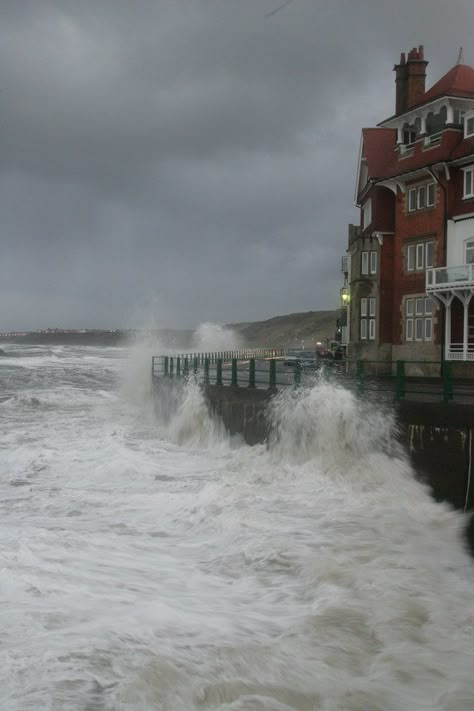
{"x":438,"y":438}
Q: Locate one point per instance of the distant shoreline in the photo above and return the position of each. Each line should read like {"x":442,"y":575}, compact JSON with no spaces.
{"x":93,"y":338}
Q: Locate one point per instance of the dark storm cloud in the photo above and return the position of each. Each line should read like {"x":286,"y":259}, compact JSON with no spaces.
{"x":191,"y":159}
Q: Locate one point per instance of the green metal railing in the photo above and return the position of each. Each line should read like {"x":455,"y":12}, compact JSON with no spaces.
{"x":257,"y":368}
{"x":405,"y":378}
{"x":266,"y":369}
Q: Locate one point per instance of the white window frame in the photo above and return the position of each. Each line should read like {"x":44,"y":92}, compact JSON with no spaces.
{"x":419,"y":323}
{"x":429,"y":262}
{"x":419,"y":318}
{"x":421,"y":197}
{"x":428,"y":334}
{"x":468,"y":182}
{"x":469,"y":247}
{"x":363,"y":308}
{"x":373,"y":263}
{"x":372,"y":303}
{"x":430,"y":195}
{"x":363,"y":329}
{"x":420,"y":249}
{"x":411,"y":258}
{"x":468,"y":118}
{"x":371,"y":329}
{"x":367,"y":213}
{"x":364,"y":263}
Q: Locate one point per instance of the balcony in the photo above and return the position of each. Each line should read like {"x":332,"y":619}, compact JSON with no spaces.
{"x":344,"y":265}
{"x":450,"y":278}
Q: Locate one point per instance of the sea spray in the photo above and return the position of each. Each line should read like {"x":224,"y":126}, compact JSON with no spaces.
{"x":210,"y":337}
{"x":183,"y":414}
{"x":327,"y":419}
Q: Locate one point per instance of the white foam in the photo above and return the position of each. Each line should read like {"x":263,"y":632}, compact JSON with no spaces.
{"x":149,"y":563}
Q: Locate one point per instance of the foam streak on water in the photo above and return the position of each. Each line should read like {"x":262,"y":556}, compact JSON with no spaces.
{"x":147,"y":562}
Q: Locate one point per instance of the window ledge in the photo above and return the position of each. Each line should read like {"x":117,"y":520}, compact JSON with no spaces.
{"x":422,"y":209}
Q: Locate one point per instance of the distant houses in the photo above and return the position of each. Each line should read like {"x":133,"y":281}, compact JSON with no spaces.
{"x":409,"y":266}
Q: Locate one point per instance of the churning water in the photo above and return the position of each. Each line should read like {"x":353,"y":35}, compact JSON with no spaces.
{"x":147,"y":562}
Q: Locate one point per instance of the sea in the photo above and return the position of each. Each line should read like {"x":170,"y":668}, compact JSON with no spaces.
{"x":148,"y":561}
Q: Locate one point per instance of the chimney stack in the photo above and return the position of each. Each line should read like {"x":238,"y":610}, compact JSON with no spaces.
{"x":410,"y":77}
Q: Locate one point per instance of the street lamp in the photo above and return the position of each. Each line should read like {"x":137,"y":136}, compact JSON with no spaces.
{"x":345,"y":296}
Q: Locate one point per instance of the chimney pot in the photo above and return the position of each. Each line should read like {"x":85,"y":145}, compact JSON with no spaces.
{"x":410,"y":79}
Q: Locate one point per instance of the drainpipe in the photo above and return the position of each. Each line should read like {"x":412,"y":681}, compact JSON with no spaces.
{"x":445,"y":254}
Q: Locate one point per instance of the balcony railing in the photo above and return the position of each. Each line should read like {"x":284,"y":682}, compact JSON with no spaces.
{"x":456,"y":352}
{"x":450,"y":277}
{"x":344,"y":265}
{"x":434,"y":139}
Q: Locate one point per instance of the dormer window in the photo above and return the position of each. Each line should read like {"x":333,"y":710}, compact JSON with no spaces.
{"x":469,"y":125}
{"x":409,"y":135}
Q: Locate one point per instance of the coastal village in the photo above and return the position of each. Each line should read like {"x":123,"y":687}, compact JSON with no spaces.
{"x":408,"y":272}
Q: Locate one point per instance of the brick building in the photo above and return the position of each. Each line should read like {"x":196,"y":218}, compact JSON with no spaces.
{"x":409,"y":274}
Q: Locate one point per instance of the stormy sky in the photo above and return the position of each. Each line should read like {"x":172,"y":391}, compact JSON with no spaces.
{"x":168,"y":162}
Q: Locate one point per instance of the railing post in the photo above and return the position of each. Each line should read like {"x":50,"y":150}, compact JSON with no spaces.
{"x":447,"y":382}
{"x":186,"y":367}
{"x":171,"y":366}
{"x":178,"y":367}
{"x":219,"y":372}
{"x":206,"y":371}
{"x":273,"y":374}
{"x":400,"y":380}
{"x":195,"y":365}
{"x":234,"y":372}
{"x":166,"y":367}
{"x":360,"y":376}
{"x":252,"y":373}
{"x":297,"y":374}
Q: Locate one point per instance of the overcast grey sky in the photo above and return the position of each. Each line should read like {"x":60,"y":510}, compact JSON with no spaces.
{"x":180,"y":161}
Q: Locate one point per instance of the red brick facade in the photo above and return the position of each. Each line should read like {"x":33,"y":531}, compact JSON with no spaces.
{"x":410,"y":184}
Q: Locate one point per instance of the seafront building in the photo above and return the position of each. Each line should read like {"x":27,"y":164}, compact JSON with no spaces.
{"x":409,"y":266}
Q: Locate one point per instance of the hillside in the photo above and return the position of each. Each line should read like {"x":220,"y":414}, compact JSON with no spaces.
{"x":288,"y":330}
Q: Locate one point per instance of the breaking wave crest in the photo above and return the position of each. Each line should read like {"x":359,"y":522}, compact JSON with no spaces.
{"x":184,"y":416}
{"x":328,"y":420}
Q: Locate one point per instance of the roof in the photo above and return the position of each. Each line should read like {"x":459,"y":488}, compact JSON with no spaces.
{"x":459,"y":81}
{"x":378,"y":145}
{"x":384,"y":162}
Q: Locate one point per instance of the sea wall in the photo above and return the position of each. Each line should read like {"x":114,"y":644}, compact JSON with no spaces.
{"x":437,"y":437}
{"x":439,"y":440}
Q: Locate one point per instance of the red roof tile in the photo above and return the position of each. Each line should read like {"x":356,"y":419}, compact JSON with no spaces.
{"x":459,"y":81}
